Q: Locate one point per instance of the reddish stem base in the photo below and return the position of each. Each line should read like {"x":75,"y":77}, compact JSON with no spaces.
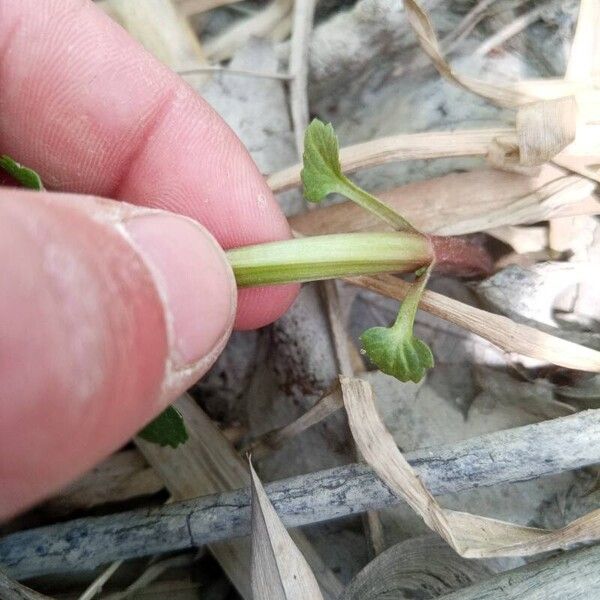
{"x":456,"y":256}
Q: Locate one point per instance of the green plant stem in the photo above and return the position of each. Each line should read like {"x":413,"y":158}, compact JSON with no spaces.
{"x":329,"y":256}
{"x":408,"y":309}
{"x":374,"y":205}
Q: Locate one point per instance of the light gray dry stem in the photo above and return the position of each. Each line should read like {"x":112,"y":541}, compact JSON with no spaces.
{"x":513,"y":455}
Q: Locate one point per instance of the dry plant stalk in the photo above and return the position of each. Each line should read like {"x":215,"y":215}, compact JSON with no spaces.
{"x":502,"y":145}
{"x":407,"y":146}
{"x":471,"y":536}
{"x":149,"y":575}
{"x":279,"y":571}
{"x":302,"y":25}
{"x":96,"y":586}
{"x":497,"y":329}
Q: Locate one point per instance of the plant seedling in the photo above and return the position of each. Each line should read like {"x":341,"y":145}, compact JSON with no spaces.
{"x":394,"y":350}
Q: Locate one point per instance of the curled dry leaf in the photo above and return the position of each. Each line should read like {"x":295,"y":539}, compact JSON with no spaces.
{"x":544,"y":129}
{"x":423,"y":567}
{"x":279,"y":571}
{"x":500,"y":95}
{"x":471,"y":536}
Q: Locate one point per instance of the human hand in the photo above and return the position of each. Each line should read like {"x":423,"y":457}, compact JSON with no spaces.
{"x":108,"y":311}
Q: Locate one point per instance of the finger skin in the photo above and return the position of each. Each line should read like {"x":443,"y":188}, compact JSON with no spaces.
{"x":85,"y":353}
{"x":88,"y":108}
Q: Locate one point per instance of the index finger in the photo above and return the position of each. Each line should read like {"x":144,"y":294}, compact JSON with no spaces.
{"x":88,"y":108}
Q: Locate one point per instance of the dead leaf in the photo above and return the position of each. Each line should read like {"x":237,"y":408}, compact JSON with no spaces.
{"x":279,"y":571}
{"x":471,"y":536}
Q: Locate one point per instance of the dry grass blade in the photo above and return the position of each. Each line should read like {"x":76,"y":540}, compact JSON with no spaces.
{"x":261,"y":24}
{"x":421,"y":25}
{"x":272,"y":440}
{"x":96,"y":586}
{"x":159,"y":27}
{"x":279,"y":571}
{"x":471,"y":536}
{"x":544,"y":128}
{"x":194,"y":7}
{"x":11,"y":590}
{"x":409,"y":146}
{"x":501,"y":331}
{"x":154,"y":571}
{"x":552,"y":199}
{"x":510,"y":30}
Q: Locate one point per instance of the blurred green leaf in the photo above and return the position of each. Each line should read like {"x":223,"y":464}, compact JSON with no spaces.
{"x":168,"y":429}
{"x":26,"y":177}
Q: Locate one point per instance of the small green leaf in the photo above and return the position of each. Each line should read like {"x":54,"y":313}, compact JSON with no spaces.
{"x":406,"y":358}
{"x":322,"y":172}
{"x":168,"y":429}
{"x":26,"y":177}
{"x":322,"y":175}
{"x":395,"y":350}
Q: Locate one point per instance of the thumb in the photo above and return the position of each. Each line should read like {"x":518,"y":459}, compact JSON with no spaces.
{"x":107,"y":313}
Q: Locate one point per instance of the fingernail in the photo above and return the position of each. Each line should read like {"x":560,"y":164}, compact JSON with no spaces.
{"x":194,"y":279}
